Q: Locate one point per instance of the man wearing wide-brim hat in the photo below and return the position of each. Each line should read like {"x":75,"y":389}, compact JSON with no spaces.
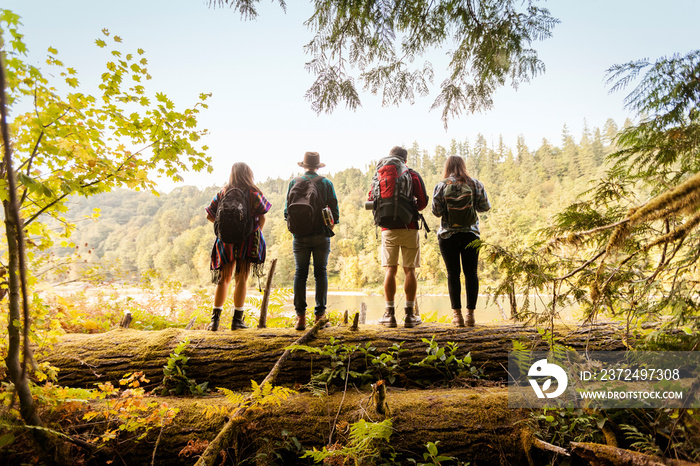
{"x":316,"y":242}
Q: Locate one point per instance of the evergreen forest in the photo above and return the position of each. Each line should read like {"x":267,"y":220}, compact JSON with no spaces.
{"x":167,"y":237}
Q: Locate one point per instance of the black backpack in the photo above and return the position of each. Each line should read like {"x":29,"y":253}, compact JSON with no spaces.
{"x":234,"y":220}
{"x":304,"y":206}
{"x":392,"y":192}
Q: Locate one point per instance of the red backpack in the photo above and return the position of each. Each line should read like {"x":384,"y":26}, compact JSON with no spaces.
{"x":392,"y":192}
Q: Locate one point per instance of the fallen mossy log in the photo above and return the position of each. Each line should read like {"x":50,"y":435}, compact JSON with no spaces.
{"x":605,"y":455}
{"x":471,"y":424}
{"x":232,"y":359}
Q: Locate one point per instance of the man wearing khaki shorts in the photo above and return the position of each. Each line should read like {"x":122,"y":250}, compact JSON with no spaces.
{"x":404,"y":240}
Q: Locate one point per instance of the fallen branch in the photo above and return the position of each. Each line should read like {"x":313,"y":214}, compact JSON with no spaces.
{"x":542,"y":445}
{"x":612,"y":456}
{"x":262,"y":322}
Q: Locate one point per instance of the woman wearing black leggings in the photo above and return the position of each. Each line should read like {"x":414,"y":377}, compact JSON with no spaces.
{"x":456,"y":200}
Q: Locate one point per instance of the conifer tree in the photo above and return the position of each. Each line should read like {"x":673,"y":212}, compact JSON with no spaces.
{"x":377,"y":44}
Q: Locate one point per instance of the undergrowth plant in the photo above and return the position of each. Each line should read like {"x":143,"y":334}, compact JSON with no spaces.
{"x":128,"y":410}
{"x":260,"y":395}
{"x":275,"y":306}
{"x":562,"y":426}
{"x":277,"y":452}
{"x":175,"y":380}
{"x":367,"y":445}
{"x":435,"y":458}
{"x":339,"y":370}
{"x":445,"y":361}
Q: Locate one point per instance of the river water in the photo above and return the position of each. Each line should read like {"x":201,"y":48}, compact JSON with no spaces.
{"x":429,"y":305}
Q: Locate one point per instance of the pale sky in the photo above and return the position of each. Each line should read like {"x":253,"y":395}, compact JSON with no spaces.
{"x":255,"y":71}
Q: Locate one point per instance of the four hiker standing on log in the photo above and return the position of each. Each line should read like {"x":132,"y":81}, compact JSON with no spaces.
{"x":396,"y":198}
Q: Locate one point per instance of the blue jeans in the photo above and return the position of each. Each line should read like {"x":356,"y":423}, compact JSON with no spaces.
{"x":304,"y":247}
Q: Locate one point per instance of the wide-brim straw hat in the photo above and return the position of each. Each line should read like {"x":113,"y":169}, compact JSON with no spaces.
{"x":312,"y":160}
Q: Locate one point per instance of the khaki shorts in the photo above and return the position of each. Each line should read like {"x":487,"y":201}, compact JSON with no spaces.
{"x":405,"y":240}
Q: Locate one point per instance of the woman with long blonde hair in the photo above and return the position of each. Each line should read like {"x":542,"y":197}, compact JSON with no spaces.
{"x":233,"y":260}
{"x":456,"y":200}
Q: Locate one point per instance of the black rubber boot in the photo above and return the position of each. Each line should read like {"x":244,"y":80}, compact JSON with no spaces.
{"x":238,"y":321}
{"x":215,"y":315}
{"x":412,"y":318}
{"x":389,"y":318}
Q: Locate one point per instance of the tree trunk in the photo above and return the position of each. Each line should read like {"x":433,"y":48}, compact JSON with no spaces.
{"x":471,"y":424}
{"x":232,"y":359}
{"x":18,"y":300}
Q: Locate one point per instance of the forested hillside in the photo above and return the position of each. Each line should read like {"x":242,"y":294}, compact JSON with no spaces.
{"x":168,"y":237}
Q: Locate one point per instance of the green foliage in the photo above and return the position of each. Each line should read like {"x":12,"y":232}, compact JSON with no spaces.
{"x":562,"y":426}
{"x":175,"y":380}
{"x":388,"y":364}
{"x":434,"y":458}
{"x":635,"y":233}
{"x":73,"y":143}
{"x":640,"y":441}
{"x":278,"y":452}
{"x":492,"y":45}
{"x":100,"y":309}
{"x":445,"y":361}
{"x":275,"y":306}
{"x":339,"y":370}
{"x":366,"y":443}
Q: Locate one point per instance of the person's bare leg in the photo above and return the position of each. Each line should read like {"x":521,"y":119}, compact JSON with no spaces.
{"x":220,"y":297}
{"x":410,"y":285}
{"x":390,"y":282}
{"x":241,"y":288}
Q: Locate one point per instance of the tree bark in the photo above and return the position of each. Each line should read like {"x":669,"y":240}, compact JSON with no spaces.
{"x":471,"y":424}
{"x":232,"y":359}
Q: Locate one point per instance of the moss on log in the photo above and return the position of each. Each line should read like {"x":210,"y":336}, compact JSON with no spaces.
{"x":232,"y":359}
{"x":471,"y":424}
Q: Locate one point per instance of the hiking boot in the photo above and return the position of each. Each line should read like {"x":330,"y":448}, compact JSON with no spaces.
{"x":301,"y":322}
{"x":388,"y":319}
{"x":238,"y":321}
{"x":412,"y":318}
{"x":458,"y":320}
{"x":215,"y":315}
{"x":470,"y":317}
{"x":321,"y":317}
